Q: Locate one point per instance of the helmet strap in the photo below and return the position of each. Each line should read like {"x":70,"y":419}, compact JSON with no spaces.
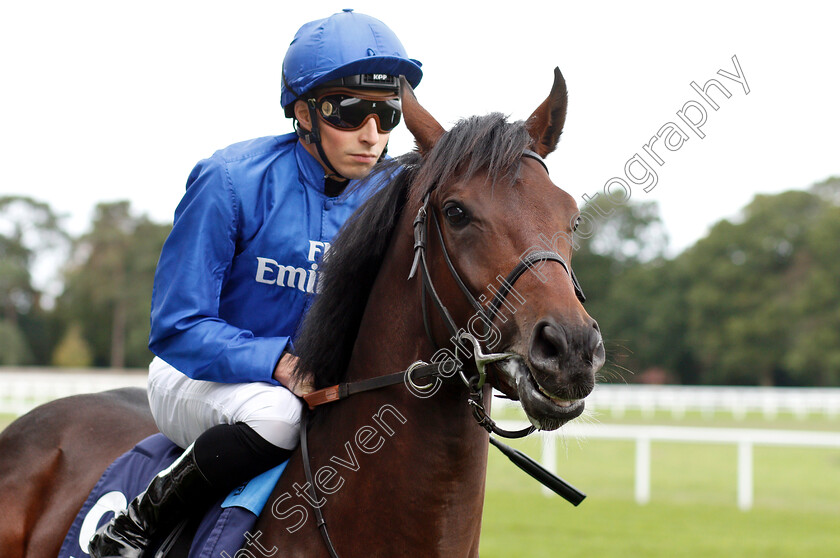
{"x":313,"y":136}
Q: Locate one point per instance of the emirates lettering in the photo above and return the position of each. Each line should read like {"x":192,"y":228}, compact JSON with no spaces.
{"x":270,"y":272}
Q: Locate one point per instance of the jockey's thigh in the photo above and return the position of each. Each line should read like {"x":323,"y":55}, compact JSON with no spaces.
{"x":184,"y":408}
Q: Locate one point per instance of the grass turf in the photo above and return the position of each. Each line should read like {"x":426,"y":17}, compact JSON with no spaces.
{"x":692,"y":512}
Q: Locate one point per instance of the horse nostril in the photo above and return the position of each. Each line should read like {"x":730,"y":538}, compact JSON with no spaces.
{"x":594,"y":345}
{"x":549,"y":342}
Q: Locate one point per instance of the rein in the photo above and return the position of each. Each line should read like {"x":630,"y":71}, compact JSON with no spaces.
{"x":422,"y":370}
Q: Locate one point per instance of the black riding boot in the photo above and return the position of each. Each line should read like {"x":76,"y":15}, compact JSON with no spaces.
{"x":221,"y":458}
{"x":168,"y":498}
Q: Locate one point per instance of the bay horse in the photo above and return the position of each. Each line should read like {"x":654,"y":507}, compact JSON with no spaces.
{"x":399,"y":471}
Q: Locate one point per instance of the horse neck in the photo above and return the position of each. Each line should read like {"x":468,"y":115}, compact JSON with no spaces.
{"x":425,"y":483}
{"x":391,"y":337}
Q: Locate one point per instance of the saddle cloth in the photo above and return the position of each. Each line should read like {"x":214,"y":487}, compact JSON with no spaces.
{"x":221,"y":531}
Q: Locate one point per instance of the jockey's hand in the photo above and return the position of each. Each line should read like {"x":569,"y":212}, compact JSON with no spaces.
{"x":284,"y":373}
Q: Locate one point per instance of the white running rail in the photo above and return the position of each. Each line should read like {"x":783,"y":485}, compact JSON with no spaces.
{"x":744,"y":439}
{"x":616,"y":399}
{"x":24,"y":389}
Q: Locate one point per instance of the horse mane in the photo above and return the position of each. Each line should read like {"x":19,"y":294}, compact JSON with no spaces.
{"x":328,"y":333}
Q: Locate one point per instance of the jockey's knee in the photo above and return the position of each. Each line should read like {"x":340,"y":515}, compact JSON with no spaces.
{"x":276,"y":422}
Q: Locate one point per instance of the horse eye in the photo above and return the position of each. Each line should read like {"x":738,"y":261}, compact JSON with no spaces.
{"x":456,"y":215}
{"x":577,"y":224}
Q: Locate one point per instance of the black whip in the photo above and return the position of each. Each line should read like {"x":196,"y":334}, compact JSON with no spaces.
{"x":540,"y":473}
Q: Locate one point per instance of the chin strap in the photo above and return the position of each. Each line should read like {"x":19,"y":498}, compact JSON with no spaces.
{"x":313,"y":136}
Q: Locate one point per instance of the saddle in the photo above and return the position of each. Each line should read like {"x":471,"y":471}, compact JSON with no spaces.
{"x":219,"y":531}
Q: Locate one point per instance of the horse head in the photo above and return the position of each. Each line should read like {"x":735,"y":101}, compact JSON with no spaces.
{"x":500,"y":252}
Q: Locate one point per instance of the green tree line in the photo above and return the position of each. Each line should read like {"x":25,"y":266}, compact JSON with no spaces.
{"x":754,"y":302}
{"x":101,"y":316}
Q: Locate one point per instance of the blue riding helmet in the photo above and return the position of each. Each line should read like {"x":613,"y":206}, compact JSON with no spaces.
{"x":345,"y":45}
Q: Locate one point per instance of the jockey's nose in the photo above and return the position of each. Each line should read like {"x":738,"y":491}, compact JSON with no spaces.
{"x":369,"y":133}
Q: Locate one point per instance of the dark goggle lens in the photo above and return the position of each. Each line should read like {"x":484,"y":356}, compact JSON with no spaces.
{"x":350,"y":113}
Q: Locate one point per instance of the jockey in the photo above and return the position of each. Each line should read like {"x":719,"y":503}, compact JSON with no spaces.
{"x":239,"y":270}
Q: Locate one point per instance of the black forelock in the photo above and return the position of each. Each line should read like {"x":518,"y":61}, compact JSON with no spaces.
{"x":487,"y":143}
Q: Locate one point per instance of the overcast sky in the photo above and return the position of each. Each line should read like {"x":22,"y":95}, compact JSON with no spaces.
{"x":103,"y":101}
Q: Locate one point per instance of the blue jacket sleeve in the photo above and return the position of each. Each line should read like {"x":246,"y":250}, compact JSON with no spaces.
{"x":186,"y":330}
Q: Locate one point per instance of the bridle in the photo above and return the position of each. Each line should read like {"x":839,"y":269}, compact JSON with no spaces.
{"x":486,"y":315}
{"x":421,"y":369}
{"x":438,"y":371}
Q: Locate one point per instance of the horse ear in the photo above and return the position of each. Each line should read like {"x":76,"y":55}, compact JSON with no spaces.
{"x":546,"y":123}
{"x":420,"y":123}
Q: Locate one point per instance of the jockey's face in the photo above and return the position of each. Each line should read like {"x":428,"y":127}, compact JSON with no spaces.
{"x":353,"y":153}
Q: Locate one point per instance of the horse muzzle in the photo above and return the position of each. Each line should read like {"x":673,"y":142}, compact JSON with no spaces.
{"x":558,"y":373}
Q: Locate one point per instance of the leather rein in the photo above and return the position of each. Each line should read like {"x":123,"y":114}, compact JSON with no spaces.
{"x":437,"y":371}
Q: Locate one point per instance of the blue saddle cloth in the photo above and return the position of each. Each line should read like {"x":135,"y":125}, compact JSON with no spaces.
{"x":221,"y":530}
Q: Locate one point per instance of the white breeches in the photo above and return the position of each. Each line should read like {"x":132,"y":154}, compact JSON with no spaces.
{"x":184,"y":408}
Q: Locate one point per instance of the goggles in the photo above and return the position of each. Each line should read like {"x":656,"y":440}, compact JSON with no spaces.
{"x":350,"y":110}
